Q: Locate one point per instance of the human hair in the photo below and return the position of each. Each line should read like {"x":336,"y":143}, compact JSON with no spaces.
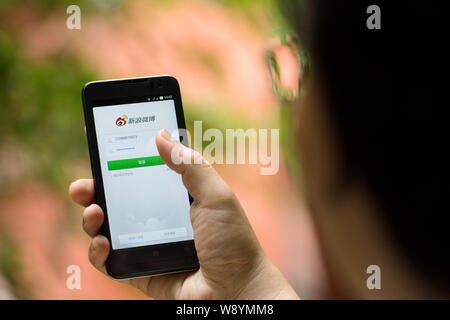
{"x":386,"y":93}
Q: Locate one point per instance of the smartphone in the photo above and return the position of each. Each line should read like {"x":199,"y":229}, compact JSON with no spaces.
{"x":146,"y":205}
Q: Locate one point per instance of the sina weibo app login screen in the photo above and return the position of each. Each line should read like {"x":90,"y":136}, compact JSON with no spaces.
{"x":146,"y":201}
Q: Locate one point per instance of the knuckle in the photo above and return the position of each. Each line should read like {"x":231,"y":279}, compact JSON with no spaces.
{"x":226,"y":195}
{"x":221,"y":198}
{"x":91,"y":254}
{"x":83,"y":224}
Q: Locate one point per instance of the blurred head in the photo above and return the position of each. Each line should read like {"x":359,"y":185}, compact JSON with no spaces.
{"x":371,"y":129}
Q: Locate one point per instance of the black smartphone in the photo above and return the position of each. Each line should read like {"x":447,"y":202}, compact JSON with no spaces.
{"x":145,"y":203}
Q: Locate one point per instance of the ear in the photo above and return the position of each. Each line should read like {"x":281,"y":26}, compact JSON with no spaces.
{"x":289,"y":67}
{"x":285,"y":68}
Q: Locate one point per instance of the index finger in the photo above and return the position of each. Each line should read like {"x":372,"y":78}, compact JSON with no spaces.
{"x":82,"y":191}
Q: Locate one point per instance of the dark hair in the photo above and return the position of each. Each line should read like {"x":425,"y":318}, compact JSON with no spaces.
{"x":387,"y":99}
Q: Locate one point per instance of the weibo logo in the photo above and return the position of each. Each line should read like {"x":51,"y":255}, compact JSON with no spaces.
{"x":121,"y":121}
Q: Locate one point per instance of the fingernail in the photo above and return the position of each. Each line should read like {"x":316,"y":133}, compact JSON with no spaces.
{"x":167,"y":136}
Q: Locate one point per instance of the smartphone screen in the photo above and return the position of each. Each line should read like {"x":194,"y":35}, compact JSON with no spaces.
{"x":147,"y":203}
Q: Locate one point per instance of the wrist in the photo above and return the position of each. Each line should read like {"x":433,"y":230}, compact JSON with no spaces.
{"x":266,"y":282}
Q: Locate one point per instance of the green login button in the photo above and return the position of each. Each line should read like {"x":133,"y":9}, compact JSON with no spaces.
{"x":135,"y":163}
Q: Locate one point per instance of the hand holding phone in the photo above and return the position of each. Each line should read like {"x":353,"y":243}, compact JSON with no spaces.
{"x":232,"y":263}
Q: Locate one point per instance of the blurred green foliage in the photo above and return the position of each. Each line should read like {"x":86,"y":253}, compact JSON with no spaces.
{"x":49,"y":6}
{"x":40,"y":111}
{"x":10,"y":265}
{"x":40,"y":102}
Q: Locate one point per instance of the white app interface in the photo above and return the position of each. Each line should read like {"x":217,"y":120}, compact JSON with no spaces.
{"x":147,"y":202}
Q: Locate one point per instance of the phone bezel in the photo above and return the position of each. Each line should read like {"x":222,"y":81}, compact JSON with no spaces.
{"x":136,"y":261}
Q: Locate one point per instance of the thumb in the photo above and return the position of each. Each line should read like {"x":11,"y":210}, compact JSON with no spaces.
{"x":199,"y":177}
